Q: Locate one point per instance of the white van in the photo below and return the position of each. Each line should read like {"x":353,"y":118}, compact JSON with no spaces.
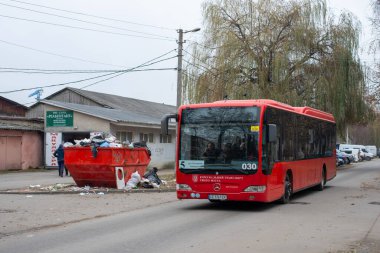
{"x":372,"y":149}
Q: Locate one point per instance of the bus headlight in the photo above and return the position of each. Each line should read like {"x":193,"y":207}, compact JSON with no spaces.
{"x":256,"y":188}
{"x":183,"y":187}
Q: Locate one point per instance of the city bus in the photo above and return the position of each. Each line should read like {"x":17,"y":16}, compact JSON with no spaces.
{"x":251,"y":150}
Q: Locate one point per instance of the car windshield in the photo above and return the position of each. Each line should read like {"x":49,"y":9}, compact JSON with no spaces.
{"x":223,"y":139}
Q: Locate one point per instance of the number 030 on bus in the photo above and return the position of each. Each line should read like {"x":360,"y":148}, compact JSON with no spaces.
{"x":251,"y":150}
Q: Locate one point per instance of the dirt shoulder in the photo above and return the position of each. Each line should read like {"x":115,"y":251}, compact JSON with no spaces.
{"x":25,"y":213}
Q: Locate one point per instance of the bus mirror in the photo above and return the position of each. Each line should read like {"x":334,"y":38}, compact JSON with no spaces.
{"x":165,"y":122}
{"x":272,"y":133}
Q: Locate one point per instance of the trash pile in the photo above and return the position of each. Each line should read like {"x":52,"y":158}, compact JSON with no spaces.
{"x":104,"y":140}
{"x":99,"y":140}
{"x":149,"y":180}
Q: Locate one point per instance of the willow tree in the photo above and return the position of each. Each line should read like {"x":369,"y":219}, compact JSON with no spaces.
{"x":291,"y":51}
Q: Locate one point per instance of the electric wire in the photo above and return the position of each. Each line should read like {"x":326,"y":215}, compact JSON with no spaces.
{"x":95,"y":16}
{"x":66,"y":72}
{"x":59,"y":55}
{"x":147,"y":63}
{"x":85,"y":29}
{"x":88,"y":22}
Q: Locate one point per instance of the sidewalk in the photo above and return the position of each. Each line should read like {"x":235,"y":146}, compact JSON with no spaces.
{"x":21,"y":179}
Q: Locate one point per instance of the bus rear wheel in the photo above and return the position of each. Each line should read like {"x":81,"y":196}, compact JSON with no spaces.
{"x":287,"y":190}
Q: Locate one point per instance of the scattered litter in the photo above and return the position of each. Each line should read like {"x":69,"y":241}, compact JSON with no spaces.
{"x":100,"y":193}
{"x":34,"y":186}
{"x":29,"y":196}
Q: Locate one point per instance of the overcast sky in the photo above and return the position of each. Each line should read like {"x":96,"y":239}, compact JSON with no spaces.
{"x":35,"y":37}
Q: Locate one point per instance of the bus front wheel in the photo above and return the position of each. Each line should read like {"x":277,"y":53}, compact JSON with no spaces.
{"x":287,"y":190}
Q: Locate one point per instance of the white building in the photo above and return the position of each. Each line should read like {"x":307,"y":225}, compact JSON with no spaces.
{"x":84,"y":112}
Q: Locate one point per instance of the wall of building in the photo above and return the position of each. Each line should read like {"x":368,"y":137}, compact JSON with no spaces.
{"x":11,"y":109}
{"x":36,"y":111}
{"x":82,"y":123}
{"x":163,"y":154}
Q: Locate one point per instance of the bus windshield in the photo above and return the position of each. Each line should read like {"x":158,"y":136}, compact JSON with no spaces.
{"x":219,"y":139}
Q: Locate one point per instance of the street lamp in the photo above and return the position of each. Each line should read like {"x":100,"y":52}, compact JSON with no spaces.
{"x":179,"y":68}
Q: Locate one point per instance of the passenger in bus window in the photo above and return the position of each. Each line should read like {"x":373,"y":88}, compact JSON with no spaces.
{"x":211,"y":153}
{"x":301,"y":153}
{"x":227,"y":153}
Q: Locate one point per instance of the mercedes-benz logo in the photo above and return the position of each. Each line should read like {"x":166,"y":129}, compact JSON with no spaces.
{"x":217,"y":187}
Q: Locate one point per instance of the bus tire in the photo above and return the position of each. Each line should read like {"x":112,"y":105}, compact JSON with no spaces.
{"x":322,"y":184}
{"x":285,"y":199}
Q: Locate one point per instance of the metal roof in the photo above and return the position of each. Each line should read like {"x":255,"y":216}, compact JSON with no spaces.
{"x":146,"y":108}
{"x":115,"y":115}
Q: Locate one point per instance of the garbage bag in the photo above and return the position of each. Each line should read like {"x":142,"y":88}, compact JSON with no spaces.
{"x":152,"y":176}
{"x":104,"y":145}
{"x":133,"y":181}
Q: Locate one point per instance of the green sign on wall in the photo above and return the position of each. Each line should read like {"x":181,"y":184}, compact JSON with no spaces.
{"x":59,"y":118}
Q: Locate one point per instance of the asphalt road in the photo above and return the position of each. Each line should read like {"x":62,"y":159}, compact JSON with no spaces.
{"x":344,"y":216}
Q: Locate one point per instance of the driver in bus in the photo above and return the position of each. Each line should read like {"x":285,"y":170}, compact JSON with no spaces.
{"x":211,"y":153}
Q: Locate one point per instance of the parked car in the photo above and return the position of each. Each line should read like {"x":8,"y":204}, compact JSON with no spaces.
{"x":345,"y":157}
{"x":339,"y":161}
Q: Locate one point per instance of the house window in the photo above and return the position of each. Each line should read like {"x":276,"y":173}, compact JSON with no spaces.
{"x":165,"y":138}
{"x":124,"y":136}
{"x":148,"y":138}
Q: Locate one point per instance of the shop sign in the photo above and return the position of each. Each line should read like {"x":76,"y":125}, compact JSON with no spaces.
{"x":59,"y":118}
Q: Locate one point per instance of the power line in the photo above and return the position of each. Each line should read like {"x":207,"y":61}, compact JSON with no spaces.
{"x":83,"y":28}
{"x":54,"y":85}
{"x":95,"y":16}
{"x":148,"y":63}
{"x":60,"y":55}
{"x":65,"y":72}
{"x":84,"y":21}
{"x":52,"y":71}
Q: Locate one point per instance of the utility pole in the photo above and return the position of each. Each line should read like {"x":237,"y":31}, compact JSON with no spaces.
{"x":179,"y":66}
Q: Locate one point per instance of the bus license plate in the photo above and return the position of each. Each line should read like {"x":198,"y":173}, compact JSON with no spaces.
{"x":217,"y":197}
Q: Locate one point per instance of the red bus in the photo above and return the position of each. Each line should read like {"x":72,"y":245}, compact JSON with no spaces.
{"x":251,"y":150}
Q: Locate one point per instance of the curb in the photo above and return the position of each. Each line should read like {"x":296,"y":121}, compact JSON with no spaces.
{"x":85,"y":192}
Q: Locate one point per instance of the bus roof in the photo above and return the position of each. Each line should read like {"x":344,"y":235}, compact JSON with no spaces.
{"x":268,"y":102}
